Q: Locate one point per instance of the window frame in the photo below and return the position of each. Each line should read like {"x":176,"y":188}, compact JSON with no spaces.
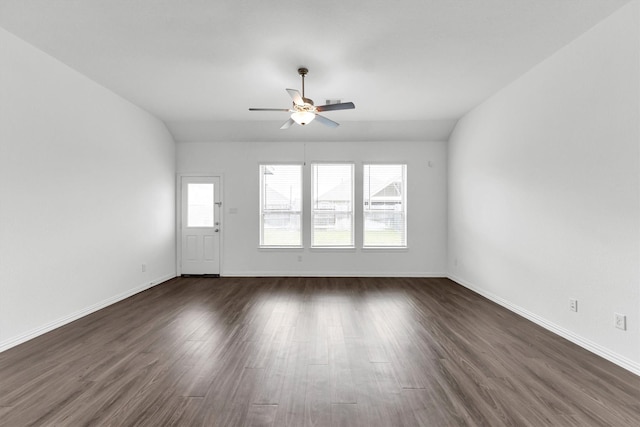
{"x":313,"y":211}
{"x":261,"y":212}
{"x":404,"y":246}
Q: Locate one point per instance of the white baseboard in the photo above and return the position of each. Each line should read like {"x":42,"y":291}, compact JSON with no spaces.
{"x":14,"y":341}
{"x":419,"y":274}
{"x":593,"y":347}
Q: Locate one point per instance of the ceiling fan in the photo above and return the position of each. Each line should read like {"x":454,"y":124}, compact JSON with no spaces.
{"x":303,"y":111}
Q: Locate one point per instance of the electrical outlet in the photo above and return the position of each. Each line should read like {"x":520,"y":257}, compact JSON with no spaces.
{"x":299,"y":258}
{"x":620,"y":321}
{"x":144,"y":267}
{"x":573,"y":305}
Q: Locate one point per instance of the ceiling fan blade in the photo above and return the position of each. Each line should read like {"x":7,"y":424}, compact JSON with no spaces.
{"x":295,"y":95}
{"x":268,"y":109}
{"x":341,"y":106}
{"x":327,"y":122}
{"x":287,"y":124}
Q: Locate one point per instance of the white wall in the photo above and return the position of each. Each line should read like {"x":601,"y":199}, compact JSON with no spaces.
{"x":544,"y":191}
{"x":86,"y":195}
{"x":238,"y":162}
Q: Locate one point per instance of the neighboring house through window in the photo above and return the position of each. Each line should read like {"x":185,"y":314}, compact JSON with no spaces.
{"x":385,"y":205}
{"x":332,"y":205}
{"x":281,"y":205}
{"x":384,"y":199}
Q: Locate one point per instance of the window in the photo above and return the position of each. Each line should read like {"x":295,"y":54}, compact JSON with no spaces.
{"x":332,"y":205}
{"x":199,"y":205}
{"x":385,"y":205}
{"x":281,"y":205}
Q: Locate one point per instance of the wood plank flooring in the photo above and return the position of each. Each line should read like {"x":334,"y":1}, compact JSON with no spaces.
{"x":310,"y":352}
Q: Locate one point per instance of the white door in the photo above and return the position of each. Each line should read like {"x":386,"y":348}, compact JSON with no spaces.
{"x":200,"y":225}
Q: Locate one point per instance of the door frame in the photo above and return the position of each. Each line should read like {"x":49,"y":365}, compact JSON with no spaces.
{"x":179,"y":177}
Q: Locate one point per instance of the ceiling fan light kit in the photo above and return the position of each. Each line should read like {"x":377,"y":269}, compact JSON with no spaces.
{"x":303,"y":117}
{"x":303,"y":111}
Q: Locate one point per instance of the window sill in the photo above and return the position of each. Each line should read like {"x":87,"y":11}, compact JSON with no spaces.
{"x":281,"y":248}
{"x":332,"y":249}
{"x":385,"y":249}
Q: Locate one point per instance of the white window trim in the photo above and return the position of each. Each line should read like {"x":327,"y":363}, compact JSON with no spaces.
{"x":261,"y":204}
{"x":400,"y":248}
{"x":333,"y":248}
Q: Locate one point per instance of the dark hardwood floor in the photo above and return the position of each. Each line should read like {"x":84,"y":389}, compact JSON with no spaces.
{"x":310,"y":352}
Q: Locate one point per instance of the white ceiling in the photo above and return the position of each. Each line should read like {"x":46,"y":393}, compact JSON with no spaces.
{"x":412,"y":67}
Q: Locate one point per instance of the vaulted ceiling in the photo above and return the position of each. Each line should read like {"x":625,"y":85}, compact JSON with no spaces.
{"x":412,"y":67}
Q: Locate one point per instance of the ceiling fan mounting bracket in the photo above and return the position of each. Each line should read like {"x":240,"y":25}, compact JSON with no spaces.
{"x":303,"y":71}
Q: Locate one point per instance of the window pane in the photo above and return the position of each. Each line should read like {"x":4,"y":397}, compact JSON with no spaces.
{"x":384,"y":200}
{"x":332,"y":202}
{"x":281,"y":229}
{"x":199,"y":205}
{"x":281,"y":205}
{"x":332,"y":229}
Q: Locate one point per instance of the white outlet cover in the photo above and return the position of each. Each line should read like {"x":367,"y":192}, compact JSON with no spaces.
{"x":620,"y":321}
{"x":573,"y":305}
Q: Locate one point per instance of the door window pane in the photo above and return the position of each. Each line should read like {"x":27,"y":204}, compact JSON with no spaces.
{"x":280,"y":205}
{"x":200,"y":205}
{"x":332,"y":204}
{"x":385,"y":205}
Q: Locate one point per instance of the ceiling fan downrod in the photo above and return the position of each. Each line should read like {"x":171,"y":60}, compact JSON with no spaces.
{"x":303,"y":72}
